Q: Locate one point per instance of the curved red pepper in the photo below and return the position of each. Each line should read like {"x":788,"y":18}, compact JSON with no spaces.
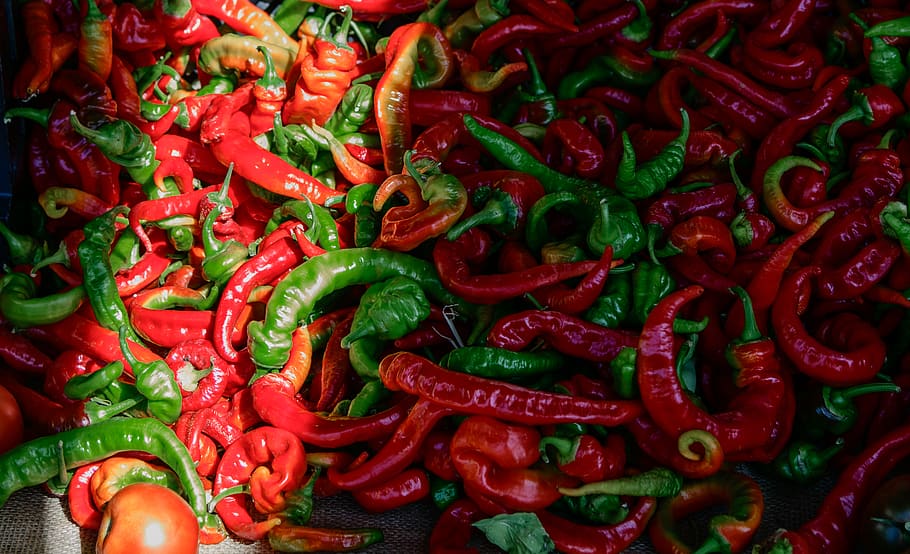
{"x":566,"y":333}
{"x":453,"y":261}
{"x":575,"y":538}
{"x":274,"y":401}
{"x":273,"y":463}
{"x":680,"y":28}
{"x":494,"y":460}
{"x":403,"y":488}
{"x":397,"y":453}
{"x":452,"y":530}
{"x":201,"y":355}
{"x":82,"y":509}
{"x":470,"y":394}
{"x":810,"y":356}
{"x":570,"y":147}
{"x":782,"y":24}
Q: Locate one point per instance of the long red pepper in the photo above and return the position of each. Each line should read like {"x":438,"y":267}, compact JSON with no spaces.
{"x":563,"y":332}
{"x":476,"y":395}
{"x":264,"y":267}
{"x":809,"y":355}
{"x":397,"y":453}
{"x":573,"y":537}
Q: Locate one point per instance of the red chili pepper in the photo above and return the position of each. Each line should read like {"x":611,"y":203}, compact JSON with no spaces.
{"x":270,"y":263}
{"x":97,"y":174}
{"x":152,"y":319}
{"x":336,"y":371}
{"x":705,"y":459}
{"x":765,"y":284}
{"x":597,"y":28}
{"x":749,"y":423}
{"x":123,"y":87}
{"x":273,"y":398}
{"x":567,"y":142}
{"x":272,"y":462}
{"x":480,"y":396}
{"x":199,"y":356}
{"x":783,"y":23}
{"x":78,"y":332}
{"x":257,"y":164}
{"x":196,"y":155}
{"x":452,"y":530}
{"x":397,"y":453}
{"x":670,"y":207}
{"x":96,"y":41}
{"x":576,"y":538}
{"x":183,"y":25}
{"x":134,"y":32}
{"x":494,"y":459}
{"x":454,"y":258}
{"x":418,"y":55}
{"x":797,"y":67}
{"x":858,"y":364}
{"x":428,"y":106}
{"x":38,"y":20}
{"x":58,"y":201}
{"x":566,"y":333}
{"x":30,"y":80}
{"x":321,"y":75}
{"x":834,"y":525}
{"x":734,"y":108}
{"x":776,"y":103}
{"x":82,"y":508}
{"x":782,"y":139}
{"x":508,"y":29}
{"x":246,"y":18}
{"x":403,"y":488}
{"x":66,"y":365}
{"x":21,"y":354}
{"x":679,"y":29}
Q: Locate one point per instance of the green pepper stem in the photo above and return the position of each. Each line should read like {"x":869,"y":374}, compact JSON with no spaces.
{"x":566,"y":447}
{"x":497,"y":211}
{"x":864,"y":388}
{"x":41,"y":116}
{"x":751,"y":332}
{"x":856,"y":112}
{"x":236,"y":489}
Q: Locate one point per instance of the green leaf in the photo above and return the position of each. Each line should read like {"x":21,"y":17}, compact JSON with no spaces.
{"x":518,"y":533}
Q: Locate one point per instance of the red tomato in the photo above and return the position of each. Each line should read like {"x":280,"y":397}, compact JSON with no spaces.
{"x":147,"y":519}
{"x":11,"y":425}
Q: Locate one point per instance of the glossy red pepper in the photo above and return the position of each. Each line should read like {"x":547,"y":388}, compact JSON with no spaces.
{"x":403,"y":488}
{"x":481,"y":396}
{"x":864,"y":349}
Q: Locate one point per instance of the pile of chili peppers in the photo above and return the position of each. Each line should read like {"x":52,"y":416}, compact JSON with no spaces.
{"x":561,"y":267}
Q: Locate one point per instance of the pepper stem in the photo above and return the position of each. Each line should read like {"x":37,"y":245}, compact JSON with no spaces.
{"x":499,"y":210}
{"x":751,"y":332}
{"x":860,"y":110}
{"x":566,"y":447}
{"x":236,"y":489}
{"x":654,"y":482}
{"x":865,"y":388}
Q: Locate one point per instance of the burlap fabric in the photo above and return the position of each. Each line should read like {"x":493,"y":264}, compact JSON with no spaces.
{"x":35,"y":522}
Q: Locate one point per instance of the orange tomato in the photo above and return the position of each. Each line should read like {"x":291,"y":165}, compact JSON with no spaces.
{"x":11,"y":426}
{"x":145,"y":518}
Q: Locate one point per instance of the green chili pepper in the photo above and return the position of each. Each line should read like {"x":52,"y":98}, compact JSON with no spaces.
{"x":650,"y":283}
{"x":596,"y":509}
{"x":365,"y":354}
{"x":617,"y":224}
{"x":389,"y":310}
{"x":156,"y":382}
{"x":640,"y":29}
{"x":290,"y":14}
{"x":320,"y":225}
{"x":513,"y":156}
{"x":836,"y":412}
{"x":353,"y":111}
{"x":804,"y":462}
{"x":622,"y":370}
{"x":127,"y":146}
{"x":651,"y":177}
{"x":20,"y":307}
{"x":97,"y":272}
{"x":41,"y":116}
{"x":359,"y":201}
{"x":602,"y":70}
{"x":39,"y":460}
{"x":499,"y":363}
{"x":81,"y":387}
{"x":222,"y":258}
{"x":294,"y":297}
{"x":612,"y":307}
{"x":660,"y":482}
{"x":443,"y":492}
{"x":370,"y":395}
{"x":886,"y":64}
{"x":22,"y":248}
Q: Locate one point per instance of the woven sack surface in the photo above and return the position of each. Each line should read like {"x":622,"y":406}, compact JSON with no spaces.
{"x":35,"y":522}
